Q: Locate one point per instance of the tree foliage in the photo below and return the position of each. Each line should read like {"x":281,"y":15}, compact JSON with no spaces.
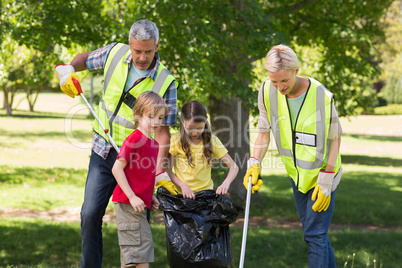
{"x":389,"y":53}
{"x":210,"y":45}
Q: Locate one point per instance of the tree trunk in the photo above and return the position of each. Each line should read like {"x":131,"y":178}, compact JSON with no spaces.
{"x":7,"y":103}
{"x":32,"y":99}
{"x":230,"y":123}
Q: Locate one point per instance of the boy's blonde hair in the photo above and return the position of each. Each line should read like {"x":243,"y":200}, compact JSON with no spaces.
{"x":149,"y":103}
{"x":281,"y":57}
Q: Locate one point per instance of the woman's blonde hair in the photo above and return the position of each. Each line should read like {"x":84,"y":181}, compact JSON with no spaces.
{"x":281,"y":57}
{"x":149,"y":103}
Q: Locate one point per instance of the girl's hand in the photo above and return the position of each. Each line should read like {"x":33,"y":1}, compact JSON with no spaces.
{"x":154,"y":204}
{"x":187,"y":193}
{"x":223,"y":188}
{"x":137,"y":204}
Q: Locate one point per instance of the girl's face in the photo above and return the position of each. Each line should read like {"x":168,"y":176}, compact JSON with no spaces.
{"x":284,"y":81}
{"x":193,"y":129}
{"x":148,"y":123}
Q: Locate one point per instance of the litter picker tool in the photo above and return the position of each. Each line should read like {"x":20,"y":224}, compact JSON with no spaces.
{"x":111,"y":141}
{"x":245,"y":227}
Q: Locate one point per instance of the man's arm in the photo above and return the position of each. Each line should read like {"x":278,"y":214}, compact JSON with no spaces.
{"x":162,"y":136}
{"x":67,"y":75}
{"x":80,"y":61}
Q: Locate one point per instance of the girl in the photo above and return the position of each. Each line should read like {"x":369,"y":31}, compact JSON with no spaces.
{"x":134,"y":171}
{"x":192,"y":150}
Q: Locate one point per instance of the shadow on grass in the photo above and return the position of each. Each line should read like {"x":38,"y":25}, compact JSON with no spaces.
{"x":28,"y":242}
{"x":365,"y":198}
{"x":79,"y":135}
{"x":371,"y":249}
{"x":13,"y":175}
{"x":43,"y":115}
{"x":372,"y":198}
{"x":374,"y":137}
{"x":371,"y":160}
{"x":36,"y":242}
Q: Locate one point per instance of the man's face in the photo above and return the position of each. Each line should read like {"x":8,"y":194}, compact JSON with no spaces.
{"x":143,"y":52}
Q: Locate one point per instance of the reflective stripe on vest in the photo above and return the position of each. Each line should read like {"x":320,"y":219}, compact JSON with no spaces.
{"x":303,"y":150}
{"x":113,"y":112}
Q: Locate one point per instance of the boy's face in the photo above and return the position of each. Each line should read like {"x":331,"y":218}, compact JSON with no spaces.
{"x":151,"y":121}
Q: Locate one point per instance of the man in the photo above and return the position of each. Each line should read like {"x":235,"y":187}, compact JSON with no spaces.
{"x":128,"y":70}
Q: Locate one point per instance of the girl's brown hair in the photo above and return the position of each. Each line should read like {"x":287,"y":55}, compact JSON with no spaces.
{"x":195,"y":111}
{"x":149,"y":103}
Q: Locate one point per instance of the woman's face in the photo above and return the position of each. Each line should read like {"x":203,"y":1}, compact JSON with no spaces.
{"x":284,"y":80}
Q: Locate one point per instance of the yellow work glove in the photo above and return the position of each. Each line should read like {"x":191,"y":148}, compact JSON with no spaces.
{"x":163,"y":180}
{"x":322,"y":191}
{"x":66,"y":75}
{"x":253,"y":171}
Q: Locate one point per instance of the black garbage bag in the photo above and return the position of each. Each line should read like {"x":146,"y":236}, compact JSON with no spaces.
{"x":197,"y":231}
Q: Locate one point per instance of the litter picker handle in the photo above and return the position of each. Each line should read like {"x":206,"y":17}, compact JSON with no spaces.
{"x":111,"y":141}
{"x":245,"y":227}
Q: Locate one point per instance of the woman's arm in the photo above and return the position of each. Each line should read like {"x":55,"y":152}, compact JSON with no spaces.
{"x":261,"y":145}
{"x":334,"y":147}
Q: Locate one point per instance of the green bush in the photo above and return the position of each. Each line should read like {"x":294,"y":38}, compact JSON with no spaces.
{"x":393,"y":90}
{"x":391,"y":109}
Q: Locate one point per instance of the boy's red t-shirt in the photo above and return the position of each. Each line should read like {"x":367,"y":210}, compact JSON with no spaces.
{"x":140,"y":153}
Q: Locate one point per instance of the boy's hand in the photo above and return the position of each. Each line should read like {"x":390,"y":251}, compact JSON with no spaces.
{"x":187,"y":193}
{"x":154,"y":204}
{"x":137,"y":204}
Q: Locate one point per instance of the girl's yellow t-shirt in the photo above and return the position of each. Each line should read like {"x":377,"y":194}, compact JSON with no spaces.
{"x":197,"y":177}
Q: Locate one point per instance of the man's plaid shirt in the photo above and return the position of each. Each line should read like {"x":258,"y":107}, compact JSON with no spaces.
{"x":96,"y":62}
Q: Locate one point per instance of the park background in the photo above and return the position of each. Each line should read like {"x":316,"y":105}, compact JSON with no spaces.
{"x":216,"y":51}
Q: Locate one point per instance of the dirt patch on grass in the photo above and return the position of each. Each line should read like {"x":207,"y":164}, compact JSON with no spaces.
{"x":72,"y":214}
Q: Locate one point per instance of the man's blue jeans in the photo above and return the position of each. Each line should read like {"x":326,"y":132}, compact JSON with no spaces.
{"x":98,"y":190}
{"x":315,"y":227}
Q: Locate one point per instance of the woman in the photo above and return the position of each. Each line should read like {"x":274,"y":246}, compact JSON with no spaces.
{"x":302,"y":115}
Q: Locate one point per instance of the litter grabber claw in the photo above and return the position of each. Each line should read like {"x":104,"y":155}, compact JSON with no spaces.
{"x":111,"y":141}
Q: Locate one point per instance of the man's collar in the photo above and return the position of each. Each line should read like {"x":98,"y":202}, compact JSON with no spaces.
{"x":154,"y":70}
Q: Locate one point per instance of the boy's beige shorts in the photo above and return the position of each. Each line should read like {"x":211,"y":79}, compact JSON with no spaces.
{"x":135,"y":237}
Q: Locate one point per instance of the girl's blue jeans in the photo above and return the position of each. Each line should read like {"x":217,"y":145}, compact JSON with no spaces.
{"x":315,"y":227}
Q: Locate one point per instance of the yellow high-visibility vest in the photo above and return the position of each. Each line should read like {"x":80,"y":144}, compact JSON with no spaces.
{"x":116,"y":106}
{"x":303,"y":150}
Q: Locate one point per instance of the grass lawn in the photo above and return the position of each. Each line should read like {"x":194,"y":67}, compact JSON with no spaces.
{"x":53,"y":244}
{"x":44,"y":164}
